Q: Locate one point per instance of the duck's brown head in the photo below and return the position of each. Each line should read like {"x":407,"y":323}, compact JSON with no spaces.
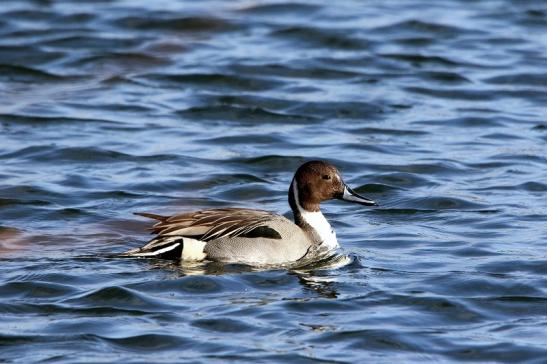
{"x":317,"y":181}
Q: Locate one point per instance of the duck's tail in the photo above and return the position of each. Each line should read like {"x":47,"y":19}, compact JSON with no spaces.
{"x":152,"y":216}
{"x":170,"y":247}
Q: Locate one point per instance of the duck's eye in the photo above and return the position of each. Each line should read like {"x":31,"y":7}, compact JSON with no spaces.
{"x":326,"y":176}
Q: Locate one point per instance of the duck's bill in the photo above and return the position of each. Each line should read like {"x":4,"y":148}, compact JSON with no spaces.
{"x":352,"y":196}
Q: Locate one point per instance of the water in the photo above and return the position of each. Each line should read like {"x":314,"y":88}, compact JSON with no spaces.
{"x":434,"y":109}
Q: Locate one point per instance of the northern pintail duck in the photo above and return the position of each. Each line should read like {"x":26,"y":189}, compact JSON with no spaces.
{"x":239,"y":235}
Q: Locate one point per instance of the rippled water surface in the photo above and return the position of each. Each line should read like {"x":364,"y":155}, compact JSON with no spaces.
{"x":435,"y":109}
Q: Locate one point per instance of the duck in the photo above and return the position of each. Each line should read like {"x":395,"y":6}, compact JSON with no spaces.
{"x":252,"y":236}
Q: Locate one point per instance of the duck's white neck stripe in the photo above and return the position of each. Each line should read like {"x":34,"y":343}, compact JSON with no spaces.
{"x":317,"y":221}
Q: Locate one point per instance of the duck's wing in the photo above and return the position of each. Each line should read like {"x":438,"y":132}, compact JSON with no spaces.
{"x":210,"y":224}
{"x":204,"y":226}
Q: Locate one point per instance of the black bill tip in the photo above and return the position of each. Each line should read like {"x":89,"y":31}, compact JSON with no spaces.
{"x":352,"y":196}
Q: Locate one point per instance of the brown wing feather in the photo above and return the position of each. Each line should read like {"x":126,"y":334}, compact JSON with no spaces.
{"x":212,"y":223}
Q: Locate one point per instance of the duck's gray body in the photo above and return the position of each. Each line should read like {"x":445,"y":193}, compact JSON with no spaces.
{"x":232,"y":235}
{"x":291,"y":245}
{"x":239,"y":235}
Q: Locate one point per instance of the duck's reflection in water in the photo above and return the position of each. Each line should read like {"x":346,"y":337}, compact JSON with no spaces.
{"x":311,"y":274}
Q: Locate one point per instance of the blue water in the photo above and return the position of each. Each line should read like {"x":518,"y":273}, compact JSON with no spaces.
{"x":437,"y":110}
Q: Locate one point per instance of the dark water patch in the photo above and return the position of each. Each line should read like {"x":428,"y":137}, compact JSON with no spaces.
{"x":249,"y":100}
{"x":14,"y":202}
{"x":76,"y":17}
{"x":458,"y":94}
{"x":536,"y":13}
{"x":372,"y":148}
{"x":435,"y":167}
{"x":376,"y":188}
{"x":528,"y":79}
{"x":471,"y":252}
{"x":444,"y":77}
{"x":35,"y":290}
{"x":248,"y":192}
{"x":390,"y":131}
{"x":63,"y":309}
{"x":531,"y":186}
{"x":517,"y":267}
{"x":420,"y":60}
{"x":91,"y":42}
{"x":223,"y":325}
{"x":376,"y":341}
{"x":240,"y":114}
{"x":119,"y":194}
{"x":147,"y":342}
{"x":171,"y":47}
{"x":45,"y":120}
{"x":293,"y":71}
{"x":123,"y":60}
{"x":81,"y":154}
{"x":24,"y":56}
{"x":318,"y":37}
{"x":339,"y":110}
{"x":29,"y":14}
{"x":269,"y":163}
{"x":16,"y":339}
{"x":30,"y":35}
{"x":168,"y":185}
{"x":214,"y":81}
{"x":113,"y":107}
{"x":268,"y":281}
{"x":219,"y":180}
{"x":191,"y":279}
{"x":167,"y":22}
{"x":502,"y":40}
{"x":445,"y":203}
{"x":57,"y":279}
{"x":282,"y":8}
{"x":199,"y":285}
{"x":31,"y":191}
{"x":404,"y":180}
{"x":418,"y":27}
{"x":417,"y":42}
{"x":402,"y":211}
{"x":116,"y":297}
{"x":465,"y":122}
{"x":531,"y":95}
{"x":69,"y":212}
{"x":453,"y":284}
{"x":502,"y":136}
{"x":505,"y":352}
{"x":514,"y":306}
{"x":489,"y":165}
{"x":523,"y":155}
{"x":54,"y":153}
{"x":452,"y":311}
{"x":12,"y":73}
{"x":478,"y":110}
{"x":238,"y":139}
